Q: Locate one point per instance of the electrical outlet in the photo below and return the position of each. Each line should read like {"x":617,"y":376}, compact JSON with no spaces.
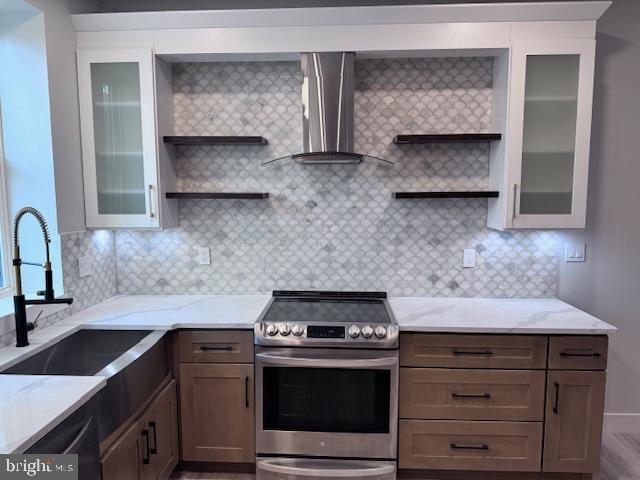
{"x":204,"y":256}
{"x":85,"y":266}
{"x":574,"y":252}
{"x":469,"y":258}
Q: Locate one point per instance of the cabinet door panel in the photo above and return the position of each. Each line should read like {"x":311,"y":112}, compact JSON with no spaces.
{"x":162,"y":423}
{"x":124,"y":459}
{"x":574,"y":415}
{"x":117,"y":113}
{"x":217,"y":412}
{"x":549,"y":132}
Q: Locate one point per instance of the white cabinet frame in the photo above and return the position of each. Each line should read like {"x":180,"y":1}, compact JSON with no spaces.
{"x":519,"y":52}
{"x":145,"y":60}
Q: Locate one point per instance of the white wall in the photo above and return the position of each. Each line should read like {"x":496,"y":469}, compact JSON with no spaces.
{"x":608,"y":284}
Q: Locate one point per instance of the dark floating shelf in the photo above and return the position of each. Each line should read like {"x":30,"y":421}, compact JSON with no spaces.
{"x":215,"y":140}
{"x":218,"y":195}
{"x":446,"y":138}
{"x":489,"y":194}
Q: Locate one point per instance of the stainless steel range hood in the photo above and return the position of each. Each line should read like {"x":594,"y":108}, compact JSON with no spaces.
{"x":328,"y":91}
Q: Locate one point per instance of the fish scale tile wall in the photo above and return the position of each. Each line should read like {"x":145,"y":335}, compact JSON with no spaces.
{"x":335,"y":227}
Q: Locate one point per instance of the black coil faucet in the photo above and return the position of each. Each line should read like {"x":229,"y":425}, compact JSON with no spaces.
{"x":19,"y":301}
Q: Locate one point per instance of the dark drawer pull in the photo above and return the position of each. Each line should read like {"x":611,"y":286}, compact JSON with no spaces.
{"x":246,"y":392}
{"x":472,"y":352}
{"x":585,"y":355}
{"x":482,"y":446}
{"x":555,"y":405}
{"x":154,"y":449}
{"x":485,"y":396}
{"x":225,"y":348}
{"x":145,"y":454}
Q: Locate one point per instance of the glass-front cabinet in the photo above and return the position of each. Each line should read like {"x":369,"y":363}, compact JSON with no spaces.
{"x":119,"y":142}
{"x":547,"y":155}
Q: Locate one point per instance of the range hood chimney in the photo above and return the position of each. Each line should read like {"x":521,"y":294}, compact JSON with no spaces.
{"x":328,"y":92}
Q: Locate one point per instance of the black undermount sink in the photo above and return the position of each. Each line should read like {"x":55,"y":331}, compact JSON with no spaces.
{"x":134,"y":363}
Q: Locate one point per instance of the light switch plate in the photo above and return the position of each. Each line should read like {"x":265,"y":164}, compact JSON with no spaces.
{"x":469,"y":258}
{"x":85,"y":266}
{"x":204,"y":256}
{"x":574,"y":252}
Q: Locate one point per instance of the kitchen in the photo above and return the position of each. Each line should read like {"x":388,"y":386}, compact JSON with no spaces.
{"x":314,"y":242}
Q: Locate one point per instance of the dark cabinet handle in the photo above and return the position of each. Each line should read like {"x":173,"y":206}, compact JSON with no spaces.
{"x":482,"y":446}
{"x":555,"y":405}
{"x":145,"y":454}
{"x":154,"y":449}
{"x":472,"y":352}
{"x":224,"y":348}
{"x":486,"y":396}
{"x":246,"y":392}
{"x":586,"y":355}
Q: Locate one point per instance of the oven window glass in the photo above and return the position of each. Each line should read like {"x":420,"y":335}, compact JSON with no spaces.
{"x":326,"y":400}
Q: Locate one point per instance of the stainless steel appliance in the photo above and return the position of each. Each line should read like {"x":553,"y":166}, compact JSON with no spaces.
{"x":326,"y":386}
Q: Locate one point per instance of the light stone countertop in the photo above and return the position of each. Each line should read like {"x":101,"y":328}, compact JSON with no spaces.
{"x":494,"y":315}
{"x":32,"y":405}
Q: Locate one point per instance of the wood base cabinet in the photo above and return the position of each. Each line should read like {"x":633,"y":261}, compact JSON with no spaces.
{"x":573,"y":434}
{"x":148,"y":450}
{"x":217,"y":412}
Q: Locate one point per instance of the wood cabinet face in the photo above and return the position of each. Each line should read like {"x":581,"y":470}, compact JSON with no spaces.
{"x":578,"y":352}
{"x":434,"y":393}
{"x":216,"y":346}
{"x":124,"y":459}
{"x":162,"y":424}
{"x":463,"y":445}
{"x":574,"y":416}
{"x":473,"y":351}
{"x":217,"y":412}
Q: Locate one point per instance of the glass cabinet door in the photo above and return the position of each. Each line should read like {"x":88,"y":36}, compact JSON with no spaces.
{"x":552,"y":86}
{"x":118,"y":135}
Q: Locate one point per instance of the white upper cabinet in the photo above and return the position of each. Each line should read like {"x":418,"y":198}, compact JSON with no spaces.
{"x":548,"y":127}
{"x":119,"y":140}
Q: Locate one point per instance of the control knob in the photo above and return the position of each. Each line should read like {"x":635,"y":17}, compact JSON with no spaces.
{"x":381,"y":331}
{"x":367,"y":331}
{"x":297,"y":330}
{"x":284,"y":329}
{"x":354,"y":331}
{"x":271,"y":329}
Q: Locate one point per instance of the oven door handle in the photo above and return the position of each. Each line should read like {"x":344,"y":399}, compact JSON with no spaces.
{"x":308,"y":361}
{"x":363,"y":471}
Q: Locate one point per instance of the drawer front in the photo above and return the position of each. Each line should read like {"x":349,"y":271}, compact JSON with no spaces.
{"x":457,"y":445}
{"x":473,"y":351}
{"x":578,"y":353}
{"x":216,"y":346}
{"x":433,"y":393}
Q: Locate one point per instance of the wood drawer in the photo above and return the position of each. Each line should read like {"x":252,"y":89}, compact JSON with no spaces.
{"x":578,"y":352}
{"x":473,"y":351}
{"x":216,"y":346}
{"x":458,"y":445}
{"x":434,"y":393}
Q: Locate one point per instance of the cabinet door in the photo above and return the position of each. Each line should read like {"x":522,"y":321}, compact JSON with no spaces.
{"x":549,"y":132}
{"x":161,"y":421}
{"x":573,"y":428}
{"x":117,"y":114}
{"x":124,"y":458}
{"x":217,"y":412}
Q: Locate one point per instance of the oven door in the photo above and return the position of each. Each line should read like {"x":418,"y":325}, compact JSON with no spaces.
{"x":327,"y":402}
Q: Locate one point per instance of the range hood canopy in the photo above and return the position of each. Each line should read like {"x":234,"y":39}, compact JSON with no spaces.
{"x":328,"y":88}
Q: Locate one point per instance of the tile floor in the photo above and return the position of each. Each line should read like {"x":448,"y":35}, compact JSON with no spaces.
{"x":620,"y":461}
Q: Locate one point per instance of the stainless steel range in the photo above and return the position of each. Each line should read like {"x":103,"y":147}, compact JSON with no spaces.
{"x":326,"y":386}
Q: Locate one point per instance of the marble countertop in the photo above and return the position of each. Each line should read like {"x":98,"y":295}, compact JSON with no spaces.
{"x":493,"y":315}
{"x":32,"y":405}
